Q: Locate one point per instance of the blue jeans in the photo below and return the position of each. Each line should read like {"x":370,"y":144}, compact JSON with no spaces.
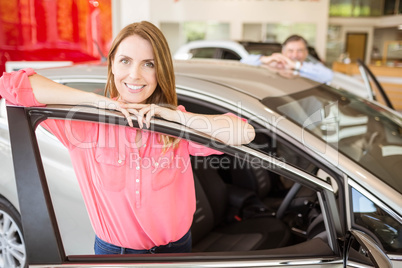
{"x":183,"y":245}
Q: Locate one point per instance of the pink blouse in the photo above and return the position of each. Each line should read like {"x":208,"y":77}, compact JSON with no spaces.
{"x":136,"y":197}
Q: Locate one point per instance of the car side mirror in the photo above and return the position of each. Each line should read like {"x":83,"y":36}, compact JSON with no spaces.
{"x":367,"y":248}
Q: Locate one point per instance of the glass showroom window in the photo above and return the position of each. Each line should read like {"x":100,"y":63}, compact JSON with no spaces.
{"x":350,"y":8}
{"x":278,"y":32}
{"x":206,"y":30}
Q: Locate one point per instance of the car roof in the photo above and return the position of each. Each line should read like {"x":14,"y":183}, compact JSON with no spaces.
{"x":256,"y":81}
{"x":251,"y":80}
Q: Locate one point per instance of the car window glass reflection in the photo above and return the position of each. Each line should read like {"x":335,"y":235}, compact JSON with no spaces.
{"x":373,"y":218}
{"x":368,"y":134}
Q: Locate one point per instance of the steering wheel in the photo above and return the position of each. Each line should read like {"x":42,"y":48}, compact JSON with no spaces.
{"x":287,"y":200}
{"x":291,"y":194}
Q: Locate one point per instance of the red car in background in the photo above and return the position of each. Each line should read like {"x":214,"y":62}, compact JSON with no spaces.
{"x":51,"y":30}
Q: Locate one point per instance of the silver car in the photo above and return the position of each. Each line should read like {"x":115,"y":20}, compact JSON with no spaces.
{"x":320,"y":186}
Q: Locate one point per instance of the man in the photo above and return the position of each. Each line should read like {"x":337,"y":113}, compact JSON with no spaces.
{"x":293,"y":57}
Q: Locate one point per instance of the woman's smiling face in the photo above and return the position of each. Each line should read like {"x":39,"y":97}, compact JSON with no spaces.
{"x":134,"y":70}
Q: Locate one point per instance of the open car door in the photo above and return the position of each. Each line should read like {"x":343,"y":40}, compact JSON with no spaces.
{"x":45,"y":246}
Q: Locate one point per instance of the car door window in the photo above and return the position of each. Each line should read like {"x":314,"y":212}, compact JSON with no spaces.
{"x":203,"y":53}
{"x":229,"y":55}
{"x":370,"y":217}
{"x":270,"y":187}
{"x":240,"y":216}
{"x":263,"y":141}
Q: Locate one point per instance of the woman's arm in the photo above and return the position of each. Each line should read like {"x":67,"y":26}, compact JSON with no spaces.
{"x":26,"y":88}
{"x":252,"y":59}
{"x":47,"y":91}
{"x":317,"y":72}
{"x":41,"y":90}
{"x":227,"y":128}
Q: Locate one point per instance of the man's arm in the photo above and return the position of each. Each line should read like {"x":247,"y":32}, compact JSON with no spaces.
{"x":276,"y":60}
{"x":252,"y":60}
{"x":316,"y":71}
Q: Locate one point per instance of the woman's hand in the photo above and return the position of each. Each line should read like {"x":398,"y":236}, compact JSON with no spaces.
{"x":145,"y":112}
{"x":227,"y":128}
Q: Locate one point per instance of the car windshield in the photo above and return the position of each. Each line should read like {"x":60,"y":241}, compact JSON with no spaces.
{"x":365,"y":132}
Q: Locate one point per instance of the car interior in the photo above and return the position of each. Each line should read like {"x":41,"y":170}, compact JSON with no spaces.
{"x":232,"y":215}
{"x":243,"y":206}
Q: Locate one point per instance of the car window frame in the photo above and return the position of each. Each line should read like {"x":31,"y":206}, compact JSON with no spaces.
{"x":336,"y":174}
{"x":36,"y":115}
{"x":201,"y":101}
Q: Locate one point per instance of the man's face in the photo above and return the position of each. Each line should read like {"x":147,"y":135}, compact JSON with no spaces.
{"x":295,"y":50}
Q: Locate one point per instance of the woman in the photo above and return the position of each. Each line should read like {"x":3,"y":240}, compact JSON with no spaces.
{"x":137,"y":185}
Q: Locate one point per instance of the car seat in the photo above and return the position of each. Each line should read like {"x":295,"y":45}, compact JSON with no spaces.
{"x":270,"y":187}
{"x":211,"y":231}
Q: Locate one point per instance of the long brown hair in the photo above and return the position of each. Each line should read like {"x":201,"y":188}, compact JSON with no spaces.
{"x":165,"y":92}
